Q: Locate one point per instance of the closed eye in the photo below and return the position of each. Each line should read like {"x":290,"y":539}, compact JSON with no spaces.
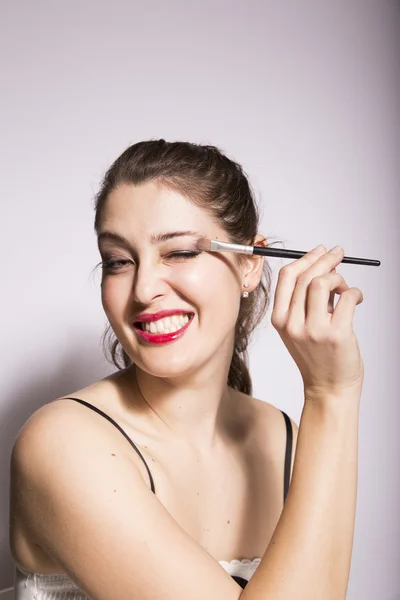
{"x":113,"y":265}
{"x":184,"y":254}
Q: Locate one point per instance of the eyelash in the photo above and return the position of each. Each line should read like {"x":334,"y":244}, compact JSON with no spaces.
{"x":110,"y":265}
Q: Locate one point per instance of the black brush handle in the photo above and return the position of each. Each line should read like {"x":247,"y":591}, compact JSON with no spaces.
{"x":281,"y":253}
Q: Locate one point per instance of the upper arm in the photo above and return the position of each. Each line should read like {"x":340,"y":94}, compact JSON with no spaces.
{"x":92,"y":513}
{"x":295,"y":430}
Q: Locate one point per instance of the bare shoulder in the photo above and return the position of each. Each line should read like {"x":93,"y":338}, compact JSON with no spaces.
{"x":92,"y":514}
{"x":271,"y":427}
{"x":62,"y":422}
{"x":269,"y":413}
{"x":272,"y":413}
{"x":49,"y":421}
{"x":52,"y":417}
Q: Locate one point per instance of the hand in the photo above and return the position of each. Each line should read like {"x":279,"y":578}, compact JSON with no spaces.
{"x":319,"y":338}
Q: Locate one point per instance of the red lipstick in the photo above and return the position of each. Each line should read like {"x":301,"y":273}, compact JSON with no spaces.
{"x":160,"y":315}
{"x":161,"y":338}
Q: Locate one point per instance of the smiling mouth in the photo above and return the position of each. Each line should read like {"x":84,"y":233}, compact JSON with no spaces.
{"x":166,"y":325}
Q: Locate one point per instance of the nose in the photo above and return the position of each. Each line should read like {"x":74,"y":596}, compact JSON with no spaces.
{"x":149,"y":283}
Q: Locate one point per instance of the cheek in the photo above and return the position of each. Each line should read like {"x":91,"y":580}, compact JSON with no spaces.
{"x":189,"y":276}
{"x":114,"y":295}
{"x":204,"y":285}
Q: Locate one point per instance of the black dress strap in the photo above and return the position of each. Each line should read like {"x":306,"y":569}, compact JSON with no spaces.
{"x":240,"y":580}
{"x":121,"y":430}
{"x":288,"y":455}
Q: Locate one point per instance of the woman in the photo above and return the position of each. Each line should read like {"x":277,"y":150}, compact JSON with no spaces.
{"x":193,"y":506}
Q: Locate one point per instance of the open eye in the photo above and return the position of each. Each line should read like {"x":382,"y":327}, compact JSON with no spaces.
{"x":111,"y":265}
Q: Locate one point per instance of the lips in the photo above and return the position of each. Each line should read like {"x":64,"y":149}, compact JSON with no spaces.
{"x":162,"y":338}
{"x":148,"y":317}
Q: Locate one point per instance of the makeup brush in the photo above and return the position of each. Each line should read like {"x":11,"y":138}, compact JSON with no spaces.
{"x":216,"y":246}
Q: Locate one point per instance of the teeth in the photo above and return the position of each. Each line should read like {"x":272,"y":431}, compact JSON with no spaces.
{"x":167,"y":325}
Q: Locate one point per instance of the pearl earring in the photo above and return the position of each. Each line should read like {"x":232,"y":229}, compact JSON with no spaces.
{"x":245,"y":294}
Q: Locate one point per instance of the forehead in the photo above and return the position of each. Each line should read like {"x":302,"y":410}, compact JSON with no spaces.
{"x":150,"y":206}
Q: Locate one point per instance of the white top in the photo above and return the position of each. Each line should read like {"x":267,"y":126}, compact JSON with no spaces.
{"x":36,"y":586}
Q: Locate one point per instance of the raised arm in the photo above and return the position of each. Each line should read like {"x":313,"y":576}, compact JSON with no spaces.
{"x":309,"y":555}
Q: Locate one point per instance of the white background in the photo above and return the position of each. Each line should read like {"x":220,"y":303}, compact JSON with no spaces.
{"x":305,"y":95}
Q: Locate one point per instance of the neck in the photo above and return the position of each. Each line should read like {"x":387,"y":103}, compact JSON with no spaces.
{"x":202,"y":413}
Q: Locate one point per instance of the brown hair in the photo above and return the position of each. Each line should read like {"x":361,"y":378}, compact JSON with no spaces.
{"x":217,"y":184}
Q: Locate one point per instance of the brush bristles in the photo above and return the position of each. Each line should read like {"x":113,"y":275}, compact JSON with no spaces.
{"x":204,"y":244}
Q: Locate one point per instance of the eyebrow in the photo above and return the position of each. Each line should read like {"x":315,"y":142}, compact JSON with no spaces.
{"x":155,"y":238}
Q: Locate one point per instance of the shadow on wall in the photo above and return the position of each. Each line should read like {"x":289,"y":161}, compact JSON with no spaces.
{"x":36,"y":384}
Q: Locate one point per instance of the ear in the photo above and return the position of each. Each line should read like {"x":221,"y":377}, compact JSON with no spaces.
{"x":253,"y":266}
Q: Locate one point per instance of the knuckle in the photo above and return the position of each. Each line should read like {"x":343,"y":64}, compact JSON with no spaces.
{"x":323,"y":281}
{"x":318,"y":282}
{"x":338,"y":280}
{"x":277,"y":320}
{"x":294,"y":330}
{"x":285,"y":273}
{"x":357,"y":291}
{"x":303,"y":279}
{"x":315,"y":335}
{"x":358,"y":296}
{"x":337,"y":336}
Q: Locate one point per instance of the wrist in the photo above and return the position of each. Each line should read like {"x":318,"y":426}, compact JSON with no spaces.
{"x":339,"y":395}
{"x":333,"y":406}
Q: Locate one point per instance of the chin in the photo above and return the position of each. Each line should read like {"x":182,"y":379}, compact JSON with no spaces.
{"x":169,"y":368}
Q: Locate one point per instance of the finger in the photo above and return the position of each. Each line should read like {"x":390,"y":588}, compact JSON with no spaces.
{"x":286,"y":282}
{"x":319,"y":292}
{"x":331,"y":303}
{"x":343,"y":314}
{"x":325,"y":264}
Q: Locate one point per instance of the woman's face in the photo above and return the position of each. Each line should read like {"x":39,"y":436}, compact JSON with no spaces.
{"x":145,"y":275}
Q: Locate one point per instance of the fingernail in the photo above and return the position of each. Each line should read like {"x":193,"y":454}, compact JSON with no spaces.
{"x":317,"y":250}
{"x":336,"y":250}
